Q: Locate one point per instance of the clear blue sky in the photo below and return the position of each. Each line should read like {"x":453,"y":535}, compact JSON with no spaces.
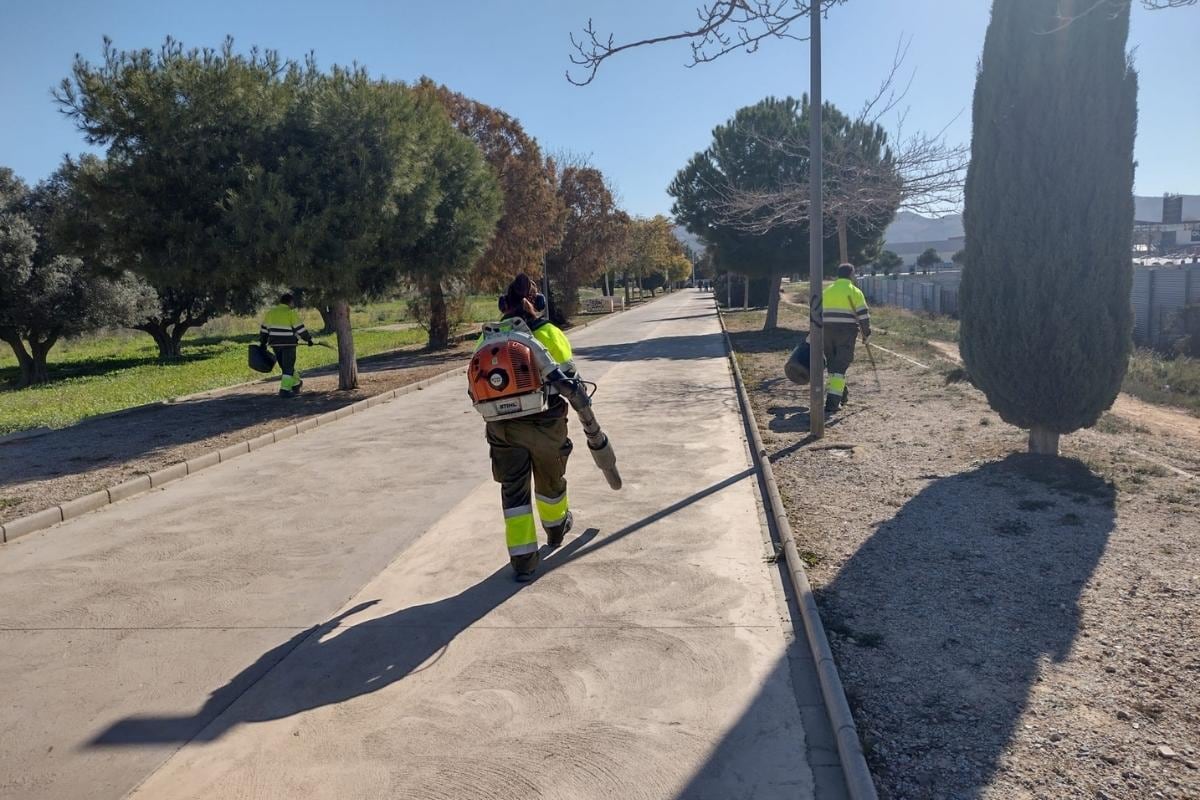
{"x":644,"y":115}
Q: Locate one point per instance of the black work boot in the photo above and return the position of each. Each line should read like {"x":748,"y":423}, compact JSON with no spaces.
{"x":845,"y":395}
{"x":525,"y":566}
{"x":832,"y":403}
{"x":554,"y":535}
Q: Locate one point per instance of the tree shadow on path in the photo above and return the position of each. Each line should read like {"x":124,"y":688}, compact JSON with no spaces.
{"x":140,"y":432}
{"x":944,"y":617}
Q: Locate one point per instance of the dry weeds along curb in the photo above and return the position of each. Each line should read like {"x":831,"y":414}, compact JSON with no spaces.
{"x":854,"y":764}
{"x":49,"y":517}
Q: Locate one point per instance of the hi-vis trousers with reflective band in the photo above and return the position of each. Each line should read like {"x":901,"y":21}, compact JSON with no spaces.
{"x":286,"y":355}
{"x":839,"y":342}
{"x":520,"y":448}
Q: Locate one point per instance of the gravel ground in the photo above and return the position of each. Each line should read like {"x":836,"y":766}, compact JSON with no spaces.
{"x":1006,"y":626}
{"x":60,"y":465}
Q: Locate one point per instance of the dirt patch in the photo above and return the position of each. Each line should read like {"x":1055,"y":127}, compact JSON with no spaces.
{"x":60,"y":465}
{"x":1139,"y":414}
{"x":1006,"y":626}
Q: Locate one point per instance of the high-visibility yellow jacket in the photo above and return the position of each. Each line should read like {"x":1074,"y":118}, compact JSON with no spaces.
{"x":556,"y":343}
{"x":843,"y":303}
{"x":281,"y":327}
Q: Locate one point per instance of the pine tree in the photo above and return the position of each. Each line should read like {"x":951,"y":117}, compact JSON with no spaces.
{"x":1049,"y":216}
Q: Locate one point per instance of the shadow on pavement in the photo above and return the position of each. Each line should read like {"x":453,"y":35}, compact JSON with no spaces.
{"x":777,"y":341}
{"x":112,"y":440}
{"x":705,"y":345}
{"x":945,"y":615}
{"x":363,"y":658}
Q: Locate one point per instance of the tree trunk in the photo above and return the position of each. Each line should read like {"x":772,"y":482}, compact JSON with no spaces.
{"x":843,"y":244}
{"x":1043,"y":441}
{"x":347,"y":365}
{"x":24,"y":360}
{"x":625,"y":281}
{"x":169,"y":346}
{"x":40,"y":350}
{"x":745,"y":293}
{"x":773,"y":301}
{"x":327,"y":320}
{"x":439,"y":321}
{"x":607,"y":290}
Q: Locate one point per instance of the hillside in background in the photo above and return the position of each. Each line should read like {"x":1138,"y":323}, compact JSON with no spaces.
{"x":688,"y":239}
{"x":910,"y":230}
{"x":910,"y":227}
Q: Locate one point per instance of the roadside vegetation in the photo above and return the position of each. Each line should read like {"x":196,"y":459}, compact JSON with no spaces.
{"x":101,"y":375}
{"x":118,"y":369}
{"x":1153,"y":377}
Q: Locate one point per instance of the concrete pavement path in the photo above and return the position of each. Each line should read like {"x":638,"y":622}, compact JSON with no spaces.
{"x":333,"y":616}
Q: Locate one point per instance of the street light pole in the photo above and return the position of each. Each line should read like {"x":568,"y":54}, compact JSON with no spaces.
{"x":816,"y":232}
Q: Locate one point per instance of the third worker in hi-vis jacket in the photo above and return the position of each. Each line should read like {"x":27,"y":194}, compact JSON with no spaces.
{"x":844,"y":315}
{"x":282,"y":329}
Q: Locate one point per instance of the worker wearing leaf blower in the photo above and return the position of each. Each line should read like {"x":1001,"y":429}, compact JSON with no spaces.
{"x":844,"y":315}
{"x":283,"y":330}
{"x":521,"y":379}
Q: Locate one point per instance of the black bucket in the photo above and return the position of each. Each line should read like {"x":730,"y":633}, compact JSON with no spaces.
{"x":796,"y":367}
{"x":260,"y":359}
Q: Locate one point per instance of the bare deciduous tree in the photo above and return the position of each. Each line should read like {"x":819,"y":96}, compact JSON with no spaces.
{"x":723,"y":26}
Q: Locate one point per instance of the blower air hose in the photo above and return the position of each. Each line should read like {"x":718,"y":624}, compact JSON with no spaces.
{"x":598,"y":443}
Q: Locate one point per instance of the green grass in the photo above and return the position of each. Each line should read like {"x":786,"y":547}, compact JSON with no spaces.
{"x":120,"y":369}
{"x":96,"y":376}
{"x":1166,"y":381}
{"x":914,"y":327}
{"x":1151,"y":376}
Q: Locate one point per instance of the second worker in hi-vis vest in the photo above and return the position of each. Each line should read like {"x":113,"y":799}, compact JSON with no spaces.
{"x":844,"y":315}
{"x":282,"y":329}
{"x":521,"y":379}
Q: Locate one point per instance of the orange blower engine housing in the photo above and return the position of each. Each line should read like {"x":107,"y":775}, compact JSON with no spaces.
{"x":504,"y":381}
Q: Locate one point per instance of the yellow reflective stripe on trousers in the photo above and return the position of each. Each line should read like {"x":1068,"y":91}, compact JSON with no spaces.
{"x":837,"y":384}
{"x":520,"y":534}
{"x":552,"y":510}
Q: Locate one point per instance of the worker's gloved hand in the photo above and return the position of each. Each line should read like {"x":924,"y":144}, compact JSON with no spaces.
{"x":310,"y":342}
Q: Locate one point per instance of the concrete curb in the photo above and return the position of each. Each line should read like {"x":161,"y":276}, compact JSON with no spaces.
{"x":53,"y":515}
{"x":859,"y":783}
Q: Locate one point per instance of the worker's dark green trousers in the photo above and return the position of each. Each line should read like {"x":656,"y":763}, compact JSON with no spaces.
{"x":839,"y":343}
{"x":286,"y":355}
{"x":520,"y":448}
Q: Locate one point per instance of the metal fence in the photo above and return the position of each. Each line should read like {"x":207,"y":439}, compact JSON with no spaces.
{"x":1159,"y":297}
{"x":931,"y":298}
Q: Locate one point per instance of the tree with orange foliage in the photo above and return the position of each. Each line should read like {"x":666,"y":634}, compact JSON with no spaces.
{"x":593,"y":234}
{"x":532,"y":218}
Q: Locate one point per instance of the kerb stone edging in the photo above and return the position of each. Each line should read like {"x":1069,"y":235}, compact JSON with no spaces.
{"x":49,"y":517}
{"x":859,"y":783}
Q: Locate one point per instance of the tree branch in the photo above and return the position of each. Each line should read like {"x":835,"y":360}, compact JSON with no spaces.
{"x":724,"y":26}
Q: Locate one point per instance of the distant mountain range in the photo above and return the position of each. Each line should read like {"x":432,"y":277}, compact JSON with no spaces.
{"x":909,"y":228}
{"x":688,"y":239}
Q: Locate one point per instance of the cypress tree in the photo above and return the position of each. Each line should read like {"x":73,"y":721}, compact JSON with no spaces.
{"x":1049,"y":215}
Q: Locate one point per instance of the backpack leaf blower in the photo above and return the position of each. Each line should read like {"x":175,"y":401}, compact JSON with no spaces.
{"x":510,"y":376}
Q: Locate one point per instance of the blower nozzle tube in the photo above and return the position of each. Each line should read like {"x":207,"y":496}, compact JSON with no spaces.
{"x":598,"y":442}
